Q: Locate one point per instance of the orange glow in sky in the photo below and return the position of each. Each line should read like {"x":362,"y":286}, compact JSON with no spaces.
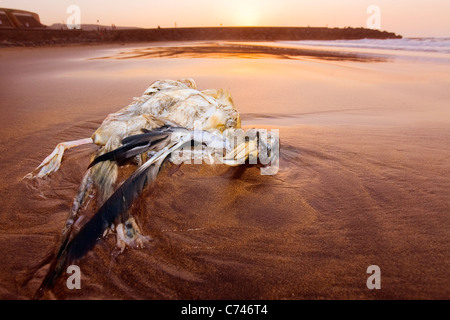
{"x":410,"y":18}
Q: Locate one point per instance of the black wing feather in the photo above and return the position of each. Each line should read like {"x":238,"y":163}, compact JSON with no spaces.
{"x":132,"y":146}
{"x":114,"y":208}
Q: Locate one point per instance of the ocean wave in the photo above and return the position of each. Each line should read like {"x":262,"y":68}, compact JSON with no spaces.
{"x":424,"y":49}
{"x":410,"y":44}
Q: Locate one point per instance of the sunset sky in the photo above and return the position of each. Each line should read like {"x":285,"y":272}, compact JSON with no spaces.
{"x":410,"y":18}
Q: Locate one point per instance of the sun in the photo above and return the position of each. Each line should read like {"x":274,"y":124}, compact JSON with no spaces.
{"x":246,"y":15}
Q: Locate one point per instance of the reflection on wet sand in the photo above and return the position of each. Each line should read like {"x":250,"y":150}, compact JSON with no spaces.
{"x":222,"y":50}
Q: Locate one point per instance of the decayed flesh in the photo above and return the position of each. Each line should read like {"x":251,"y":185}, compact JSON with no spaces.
{"x":151,"y":129}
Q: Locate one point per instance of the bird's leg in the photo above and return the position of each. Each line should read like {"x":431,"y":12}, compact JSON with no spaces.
{"x":53,"y":161}
{"x":129,"y":234}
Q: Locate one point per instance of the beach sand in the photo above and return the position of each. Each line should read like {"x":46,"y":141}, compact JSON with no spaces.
{"x":363,"y":180}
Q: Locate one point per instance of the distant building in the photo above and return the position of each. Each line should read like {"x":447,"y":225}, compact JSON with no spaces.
{"x":13,"y":18}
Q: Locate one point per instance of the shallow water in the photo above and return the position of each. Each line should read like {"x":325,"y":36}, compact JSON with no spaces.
{"x":363,"y":179}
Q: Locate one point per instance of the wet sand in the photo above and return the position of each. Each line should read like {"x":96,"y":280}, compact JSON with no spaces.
{"x":363,"y":180}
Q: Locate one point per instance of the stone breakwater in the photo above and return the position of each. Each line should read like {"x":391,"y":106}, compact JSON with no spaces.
{"x":33,"y":37}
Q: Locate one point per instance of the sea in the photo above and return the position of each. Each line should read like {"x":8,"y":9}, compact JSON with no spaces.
{"x":421,"y":49}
